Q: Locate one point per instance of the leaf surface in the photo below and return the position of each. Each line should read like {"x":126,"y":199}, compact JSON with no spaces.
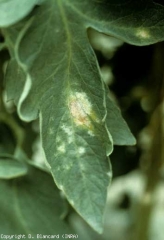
{"x":58,"y":79}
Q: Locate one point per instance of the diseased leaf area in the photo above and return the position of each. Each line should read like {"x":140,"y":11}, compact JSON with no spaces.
{"x":53,"y":74}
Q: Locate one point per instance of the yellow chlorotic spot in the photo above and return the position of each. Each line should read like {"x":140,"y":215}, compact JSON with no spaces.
{"x":143,"y":33}
{"x":81,"y":110}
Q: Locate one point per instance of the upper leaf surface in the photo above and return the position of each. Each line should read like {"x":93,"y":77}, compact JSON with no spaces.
{"x":11,"y":11}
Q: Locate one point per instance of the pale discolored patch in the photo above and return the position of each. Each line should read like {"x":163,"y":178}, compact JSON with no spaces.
{"x":61,"y":148}
{"x":61,"y":187}
{"x":72,"y":202}
{"x":67,"y":130}
{"x":143,"y":33}
{"x":109,"y":174}
{"x":81,"y":150}
{"x":81,"y":110}
{"x":58,"y":168}
{"x":91,"y":133}
{"x":58,"y":139}
{"x":69,"y":133}
{"x":68,"y":167}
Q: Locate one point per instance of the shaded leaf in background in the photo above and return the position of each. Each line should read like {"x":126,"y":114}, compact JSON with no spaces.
{"x":60,"y":82}
{"x":31,"y":205}
{"x":12,"y":11}
{"x":7,"y":141}
{"x":11,"y":168}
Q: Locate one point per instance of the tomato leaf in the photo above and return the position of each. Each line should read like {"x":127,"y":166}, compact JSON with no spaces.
{"x":54,"y":75}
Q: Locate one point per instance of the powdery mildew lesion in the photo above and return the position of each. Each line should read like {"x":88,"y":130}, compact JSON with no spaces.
{"x":68,"y":167}
{"x":81,"y":111}
{"x":82,"y":115}
{"x":80,"y":108}
{"x":68,"y":131}
{"x":61,"y":148}
{"x":81,"y":150}
{"x":143,"y":33}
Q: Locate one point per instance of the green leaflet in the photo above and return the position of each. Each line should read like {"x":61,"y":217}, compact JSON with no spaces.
{"x":137,"y":22}
{"x":11,"y":11}
{"x":31,"y":205}
{"x":117,"y":126}
{"x":54,"y":74}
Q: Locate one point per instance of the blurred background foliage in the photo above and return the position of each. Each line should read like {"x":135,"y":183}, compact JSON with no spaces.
{"x":135,"y":76}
